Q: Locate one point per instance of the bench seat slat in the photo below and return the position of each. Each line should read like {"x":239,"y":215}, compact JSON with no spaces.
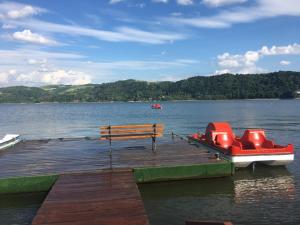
{"x":130,"y":137}
{"x":106,"y":132}
{"x":132,"y":126}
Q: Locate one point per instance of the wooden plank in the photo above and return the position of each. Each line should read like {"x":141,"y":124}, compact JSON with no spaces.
{"x":130,"y":126}
{"x":130,"y":137}
{"x":126,"y":135}
{"x":107,"y":198}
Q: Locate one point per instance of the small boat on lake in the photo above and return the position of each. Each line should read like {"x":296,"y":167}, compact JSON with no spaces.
{"x":252,"y":147}
{"x":9,"y":140}
{"x":156,"y":106}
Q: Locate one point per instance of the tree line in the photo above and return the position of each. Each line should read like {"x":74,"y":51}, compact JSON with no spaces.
{"x":282,"y":84}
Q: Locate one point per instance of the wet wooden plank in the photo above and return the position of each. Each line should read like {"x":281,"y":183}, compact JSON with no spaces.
{"x":106,"y":198}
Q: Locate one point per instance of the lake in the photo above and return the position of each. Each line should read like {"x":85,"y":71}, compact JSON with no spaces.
{"x":263,"y":196}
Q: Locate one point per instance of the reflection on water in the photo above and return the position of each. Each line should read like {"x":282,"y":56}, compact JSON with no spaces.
{"x":19,"y":209}
{"x":265,"y":196}
{"x":264,"y":183}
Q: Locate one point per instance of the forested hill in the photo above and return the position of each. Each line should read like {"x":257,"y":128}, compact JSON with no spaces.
{"x":226,"y":86}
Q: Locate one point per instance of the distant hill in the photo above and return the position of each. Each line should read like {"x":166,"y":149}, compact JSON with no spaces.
{"x":227,"y":86}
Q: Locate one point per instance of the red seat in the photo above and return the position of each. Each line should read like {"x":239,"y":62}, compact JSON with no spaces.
{"x":224,"y":140}
{"x":219,"y":128}
{"x":253,"y":138}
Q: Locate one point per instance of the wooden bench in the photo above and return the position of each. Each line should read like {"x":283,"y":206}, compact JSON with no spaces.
{"x":134,"y":131}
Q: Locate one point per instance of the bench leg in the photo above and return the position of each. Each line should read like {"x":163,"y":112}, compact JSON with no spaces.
{"x":110,"y":154}
{"x":153,"y":144}
{"x":110,"y":150}
{"x":110,"y":161}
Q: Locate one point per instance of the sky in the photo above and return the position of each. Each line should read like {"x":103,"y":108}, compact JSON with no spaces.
{"x":98,"y":41}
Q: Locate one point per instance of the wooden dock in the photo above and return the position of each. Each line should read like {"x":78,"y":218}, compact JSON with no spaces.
{"x":106,"y":198}
{"x":88,"y":185}
{"x":35,"y":165}
{"x":34,"y":158}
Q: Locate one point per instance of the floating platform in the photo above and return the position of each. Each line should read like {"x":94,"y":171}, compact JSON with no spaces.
{"x":35,"y":165}
{"x":93,"y":198}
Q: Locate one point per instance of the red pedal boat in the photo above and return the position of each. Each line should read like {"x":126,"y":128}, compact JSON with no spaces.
{"x":253,"y":146}
{"x":156,"y":106}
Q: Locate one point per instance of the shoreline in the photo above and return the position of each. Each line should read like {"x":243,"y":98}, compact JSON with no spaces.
{"x":161,"y":101}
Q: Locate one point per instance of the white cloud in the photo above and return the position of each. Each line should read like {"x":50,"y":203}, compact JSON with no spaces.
{"x":231,"y":61}
{"x":28,"y":36}
{"x":3,"y":77}
{"x":160,"y":1}
{"x":121,"y":34}
{"x":23,"y":12}
{"x":66,"y":77}
{"x":246,"y":63}
{"x":222,"y":71}
{"x":12,"y":10}
{"x":41,"y":67}
{"x":10,"y":14}
{"x":260,"y":9}
{"x":86,"y":72}
{"x":12,"y":71}
{"x":115,"y":1}
{"x":140,"y":64}
{"x":176,"y":14}
{"x":6,"y":75}
{"x":174,"y":78}
{"x":22,"y":57}
{"x":37,"y":62}
{"x":148,"y":37}
{"x":285,"y":62}
{"x":251,"y":57}
{"x":281,"y":50}
{"x":59,"y":76}
{"x":217,"y":3}
{"x":185,"y":2}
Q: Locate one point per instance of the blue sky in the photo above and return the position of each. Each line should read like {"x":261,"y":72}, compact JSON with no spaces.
{"x":79,"y":42}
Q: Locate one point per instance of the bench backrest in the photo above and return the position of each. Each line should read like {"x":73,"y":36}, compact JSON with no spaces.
{"x":134,"y":131}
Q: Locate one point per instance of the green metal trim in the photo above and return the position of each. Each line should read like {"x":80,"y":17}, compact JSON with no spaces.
{"x":232,"y":168}
{"x":27,"y":184}
{"x":141,"y":175}
{"x":153,"y":174}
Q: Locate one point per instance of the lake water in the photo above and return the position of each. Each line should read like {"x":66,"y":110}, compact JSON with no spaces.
{"x":265,"y":196}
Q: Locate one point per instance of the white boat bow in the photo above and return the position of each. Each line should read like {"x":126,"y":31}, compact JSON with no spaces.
{"x":9,"y":140}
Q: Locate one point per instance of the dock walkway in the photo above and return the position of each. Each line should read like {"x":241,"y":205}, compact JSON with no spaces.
{"x":106,"y":198}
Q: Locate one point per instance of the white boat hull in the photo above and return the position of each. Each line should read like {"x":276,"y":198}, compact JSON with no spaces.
{"x":271,"y":160}
{"x":9,"y":142}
